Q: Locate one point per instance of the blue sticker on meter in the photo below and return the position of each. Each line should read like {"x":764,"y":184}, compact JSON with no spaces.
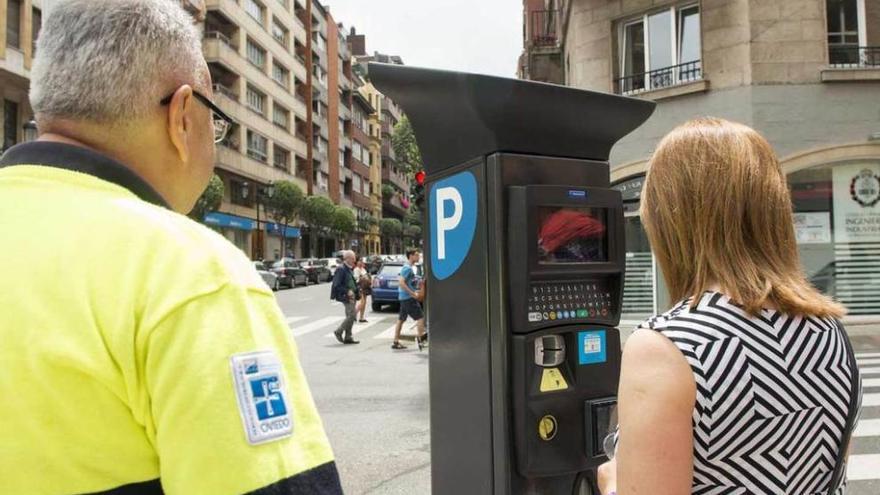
{"x":591,"y":347}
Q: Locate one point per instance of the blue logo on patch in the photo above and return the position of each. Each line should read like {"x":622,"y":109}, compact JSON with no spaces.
{"x":268,"y":398}
{"x":452,"y":209}
{"x":591,"y":347}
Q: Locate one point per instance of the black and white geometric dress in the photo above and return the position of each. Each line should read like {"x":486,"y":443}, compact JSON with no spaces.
{"x":772,"y":396}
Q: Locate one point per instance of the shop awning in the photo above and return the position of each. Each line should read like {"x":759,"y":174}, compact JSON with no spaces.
{"x":226,"y":220}
{"x":275,"y":229}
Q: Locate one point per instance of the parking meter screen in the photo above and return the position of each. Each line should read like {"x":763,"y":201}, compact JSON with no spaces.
{"x":572,"y":235}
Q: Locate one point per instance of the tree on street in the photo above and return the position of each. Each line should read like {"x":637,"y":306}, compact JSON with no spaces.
{"x":318,"y":214}
{"x":391,"y":230}
{"x":209,"y":200}
{"x":343,"y":224}
{"x":406,"y":149}
{"x":285,"y":206}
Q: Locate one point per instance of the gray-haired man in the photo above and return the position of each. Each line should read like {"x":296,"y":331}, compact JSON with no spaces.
{"x":163,"y":363}
{"x":345,"y":290}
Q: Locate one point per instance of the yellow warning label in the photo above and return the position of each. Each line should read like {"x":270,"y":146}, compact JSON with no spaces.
{"x":552,"y":380}
{"x":547,"y":428}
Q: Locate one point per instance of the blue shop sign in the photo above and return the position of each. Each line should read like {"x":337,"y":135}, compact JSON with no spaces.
{"x":275,"y":229}
{"x":217,"y":219}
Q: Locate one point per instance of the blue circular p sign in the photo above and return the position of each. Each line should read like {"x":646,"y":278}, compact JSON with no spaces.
{"x":452,"y":210}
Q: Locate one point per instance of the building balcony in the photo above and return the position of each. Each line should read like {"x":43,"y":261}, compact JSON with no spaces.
{"x":666,"y":77}
{"x":394,"y":205}
{"x":396,"y":179}
{"x":14,"y":64}
{"x":852,"y":63}
{"x":544,"y":28}
{"x":233,"y":160}
{"x":361,"y":200}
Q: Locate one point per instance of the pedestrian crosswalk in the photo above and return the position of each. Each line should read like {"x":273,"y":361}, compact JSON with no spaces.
{"x":378,"y":326}
{"x":863,"y":469}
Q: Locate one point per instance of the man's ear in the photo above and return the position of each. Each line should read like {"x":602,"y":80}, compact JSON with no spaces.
{"x":180,"y":123}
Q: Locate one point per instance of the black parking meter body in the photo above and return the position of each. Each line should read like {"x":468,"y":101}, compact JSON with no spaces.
{"x":525,"y":258}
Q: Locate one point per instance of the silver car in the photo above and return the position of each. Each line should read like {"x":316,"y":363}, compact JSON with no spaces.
{"x":270,"y":278}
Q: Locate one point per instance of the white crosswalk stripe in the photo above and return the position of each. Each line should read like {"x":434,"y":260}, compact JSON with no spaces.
{"x":293,"y":319}
{"x":388,"y":333}
{"x":871,"y":382}
{"x":865,"y":355}
{"x":870,"y":400}
{"x":868,"y":428}
{"x":316,"y":325}
{"x":869,"y":371}
{"x":358,"y":328}
{"x":868,"y":362}
{"x":863,"y":467}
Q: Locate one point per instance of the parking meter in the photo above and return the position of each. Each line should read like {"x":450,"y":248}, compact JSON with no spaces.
{"x":525,"y":255}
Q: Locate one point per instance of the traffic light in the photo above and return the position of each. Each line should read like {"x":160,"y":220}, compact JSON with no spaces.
{"x":417,"y":190}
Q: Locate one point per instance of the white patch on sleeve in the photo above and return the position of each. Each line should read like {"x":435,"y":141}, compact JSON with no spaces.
{"x":262,"y":396}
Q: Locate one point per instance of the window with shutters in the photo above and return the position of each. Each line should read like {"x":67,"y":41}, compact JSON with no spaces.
{"x":256,"y":100}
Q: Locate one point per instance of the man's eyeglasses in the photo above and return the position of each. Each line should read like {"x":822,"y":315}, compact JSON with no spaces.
{"x":222,"y":122}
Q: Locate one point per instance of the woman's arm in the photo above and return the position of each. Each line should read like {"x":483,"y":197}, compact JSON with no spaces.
{"x":655,"y":409}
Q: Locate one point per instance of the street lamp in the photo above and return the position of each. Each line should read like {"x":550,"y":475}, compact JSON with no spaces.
{"x":30,"y":130}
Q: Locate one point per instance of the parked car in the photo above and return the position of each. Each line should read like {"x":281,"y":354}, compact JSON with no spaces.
{"x":332,"y":263}
{"x":290,"y":273}
{"x":316,"y":269}
{"x":385,"y":284}
{"x":270,"y":278}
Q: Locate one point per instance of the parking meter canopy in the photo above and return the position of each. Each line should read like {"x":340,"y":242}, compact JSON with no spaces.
{"x":482,"y":114}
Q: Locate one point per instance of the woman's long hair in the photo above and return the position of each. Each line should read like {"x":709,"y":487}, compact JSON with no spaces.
{"x":717,"y":210}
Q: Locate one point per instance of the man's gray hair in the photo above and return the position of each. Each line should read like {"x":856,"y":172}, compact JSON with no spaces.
{"x":109,"y":61}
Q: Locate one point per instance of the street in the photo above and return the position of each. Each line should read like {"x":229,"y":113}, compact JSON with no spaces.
{"x":374,"y":401}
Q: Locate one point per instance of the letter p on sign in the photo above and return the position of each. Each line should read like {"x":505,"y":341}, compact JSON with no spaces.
{"x":452,"y":210}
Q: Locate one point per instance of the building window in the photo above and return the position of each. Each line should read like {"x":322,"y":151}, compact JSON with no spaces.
{"x":279,"y":32}
{"x":281,"y":116}
{"x":36,"y":24}
{"x":280,"y":74}
{"x":258,"y":147}
{"x":256,"y":100}
{"x":846,"y":43}
{"x":660,"y":50}
{"x":254,"y":9}
{"x":237,"y":194}
{"x":838,"y":252}
{"x":13,"y":24}
{"x":10,"y":124}
{"x":255,"y":54}
{"x":281,"y":158}
{"x":358,"y":183}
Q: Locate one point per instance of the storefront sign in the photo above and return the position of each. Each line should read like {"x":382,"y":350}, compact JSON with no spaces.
{"x":813,"y":227}
{"x":631,"y":189}
{"x":857,"y":202}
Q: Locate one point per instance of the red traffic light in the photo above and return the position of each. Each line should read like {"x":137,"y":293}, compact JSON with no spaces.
{"x":420,"y":177}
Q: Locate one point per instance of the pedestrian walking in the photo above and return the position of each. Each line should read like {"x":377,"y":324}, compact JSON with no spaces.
{"x":163,"y":363}
{"x":345,"y":290}
{"x":364,"y":282}
{"x":408,"y":298}
{"x":748,"y":381}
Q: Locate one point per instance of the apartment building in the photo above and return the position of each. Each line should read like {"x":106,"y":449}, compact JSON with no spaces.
{"x":805,"y":73}
{"x":20,"y":22}
{"x":395,"y":183}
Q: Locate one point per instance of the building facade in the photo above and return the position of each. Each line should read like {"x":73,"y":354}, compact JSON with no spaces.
{"x":20,"y":22}
{"x":805,"y":73}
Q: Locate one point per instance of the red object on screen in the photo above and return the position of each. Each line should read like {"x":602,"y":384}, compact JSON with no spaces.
{"x":563,"y":226}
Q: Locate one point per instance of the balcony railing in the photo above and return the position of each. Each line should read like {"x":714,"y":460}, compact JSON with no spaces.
{"x":217,"y":35}
{"x":660,"y":78}
{"x":225,"y":91}
{"x":854,"y":56}
{"x":544,"y":28}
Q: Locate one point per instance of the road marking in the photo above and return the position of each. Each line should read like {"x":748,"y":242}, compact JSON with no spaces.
{"x":863,"y":467}
{"x":294,"y":319}
{"x":388,"y":333}
{"x":860,"y":355}
{"x":868,"y":428}
{"x":869,"y":400}
{"x":316,"y":325}
{"x":360,"y":327}
{"x":869,"y":371}
{"x":868,"y":362}
{"x":871,"y":382}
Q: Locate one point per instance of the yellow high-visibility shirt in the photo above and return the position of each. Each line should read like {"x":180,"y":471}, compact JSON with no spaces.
{"x":141,"y":351}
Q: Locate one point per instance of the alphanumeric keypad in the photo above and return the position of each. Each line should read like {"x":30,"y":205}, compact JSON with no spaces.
{"x":568,"y":301}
